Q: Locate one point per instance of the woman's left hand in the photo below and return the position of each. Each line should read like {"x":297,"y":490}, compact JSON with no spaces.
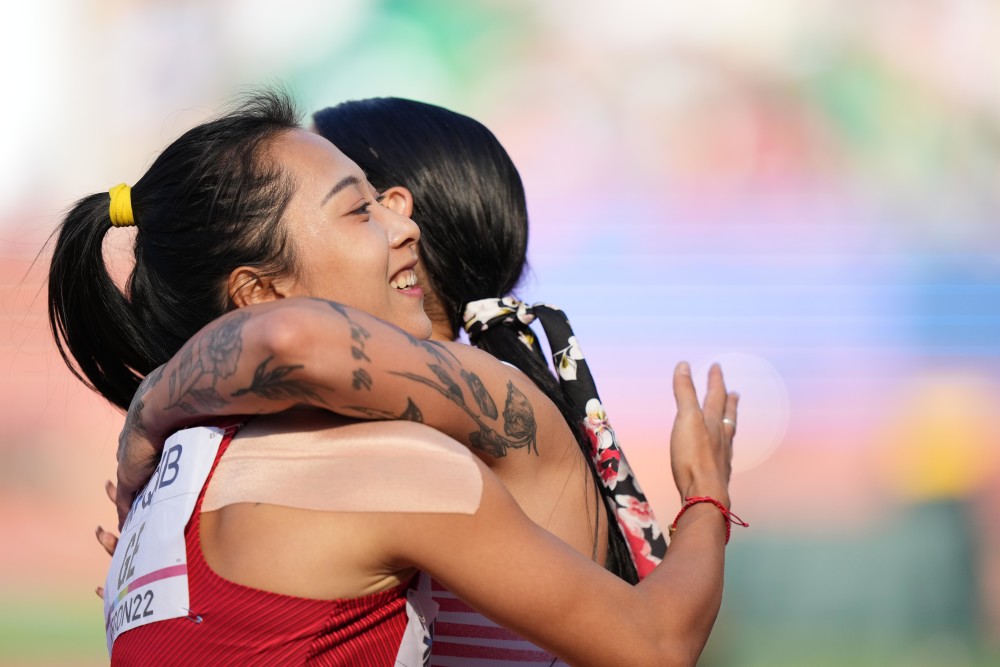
{"x":106,"y":539}
{"x":137,"y":458}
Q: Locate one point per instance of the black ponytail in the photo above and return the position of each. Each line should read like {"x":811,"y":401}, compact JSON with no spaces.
{"x":469,"y":202}
{"x":211,"y":202}
{"x":85,"y":305}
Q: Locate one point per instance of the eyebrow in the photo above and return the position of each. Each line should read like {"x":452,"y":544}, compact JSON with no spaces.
{"x":345,"y":182}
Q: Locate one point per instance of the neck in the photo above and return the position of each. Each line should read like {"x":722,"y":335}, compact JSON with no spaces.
{"x":442,"y":331}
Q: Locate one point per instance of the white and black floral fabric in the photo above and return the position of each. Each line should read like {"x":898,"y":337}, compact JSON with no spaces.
{"x":620,"y":488}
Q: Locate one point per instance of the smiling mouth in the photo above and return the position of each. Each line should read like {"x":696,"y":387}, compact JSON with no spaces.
{"x":404,"y":280}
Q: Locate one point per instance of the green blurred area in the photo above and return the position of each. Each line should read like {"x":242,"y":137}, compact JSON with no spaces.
{"x":46,"y":629}
{"x":904,"y":593}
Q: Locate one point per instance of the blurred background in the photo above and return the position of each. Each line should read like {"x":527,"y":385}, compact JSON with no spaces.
{"x":804,"y":190}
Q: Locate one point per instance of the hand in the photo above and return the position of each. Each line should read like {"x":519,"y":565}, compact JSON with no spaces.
{"x":701,"y":445}
{"x":137,"y":459}
{"x":138,"y":452}
{"x":107,"y":540}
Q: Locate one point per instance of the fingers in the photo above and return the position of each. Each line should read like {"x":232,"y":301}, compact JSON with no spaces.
{"x":123,"y":502}
{"x":715,"y":397}
{"x":100,"y":592}
{"x":107,"y":540}
{"x":122,"y":513}
{"x":729,"y":413}
{"x":684,"y":392}
{"x":111,"y":490}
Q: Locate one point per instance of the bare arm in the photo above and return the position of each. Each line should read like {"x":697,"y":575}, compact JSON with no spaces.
{"x":512,"y":571}
{"x":270,"y":357}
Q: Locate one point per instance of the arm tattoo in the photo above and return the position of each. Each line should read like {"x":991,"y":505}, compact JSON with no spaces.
{"x":133,"y":420}
{"x":217,"y":357}
{"x":275,"y":384}
{"x":362,"y":380}
{"x":520,"y":428}
{"x":434,"y":348}
{"x":411,"y":413}
{"x":519,"y":419}
{"x":479,"y":393}
{"x":518,"y":424}
{"x":454,"y":391}
{"x":359,"y":336}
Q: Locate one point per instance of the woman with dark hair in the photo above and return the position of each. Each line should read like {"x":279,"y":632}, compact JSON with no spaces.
{"x":451,"y":175}
{"x":294,"y":538}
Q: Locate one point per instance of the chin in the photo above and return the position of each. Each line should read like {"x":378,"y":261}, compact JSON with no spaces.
{"x":422,"y":330}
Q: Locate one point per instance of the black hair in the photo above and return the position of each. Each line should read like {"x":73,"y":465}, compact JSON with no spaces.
{"x":211,"y":202}
{"x":469,"y":202}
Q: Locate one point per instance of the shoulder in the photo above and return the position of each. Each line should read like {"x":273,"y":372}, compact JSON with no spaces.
{"x":322,"y":462}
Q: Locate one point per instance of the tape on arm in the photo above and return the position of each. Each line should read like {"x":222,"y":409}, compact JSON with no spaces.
{"x":359,"y":467}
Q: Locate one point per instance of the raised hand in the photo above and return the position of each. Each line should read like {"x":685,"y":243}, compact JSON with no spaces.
{"x":701,"y":443}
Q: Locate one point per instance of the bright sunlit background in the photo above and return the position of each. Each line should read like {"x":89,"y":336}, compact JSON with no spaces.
{"x":804,"y":190}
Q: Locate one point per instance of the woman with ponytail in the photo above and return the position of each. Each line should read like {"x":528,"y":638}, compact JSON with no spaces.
{"x":299,"y":533}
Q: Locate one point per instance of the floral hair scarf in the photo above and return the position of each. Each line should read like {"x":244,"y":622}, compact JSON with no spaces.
{"x":620,"y":488}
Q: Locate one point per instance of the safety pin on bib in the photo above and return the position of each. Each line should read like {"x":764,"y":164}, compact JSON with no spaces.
{"x":194,"y":619}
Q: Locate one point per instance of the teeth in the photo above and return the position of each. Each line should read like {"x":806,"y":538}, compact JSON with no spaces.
{"x":404,"y":280}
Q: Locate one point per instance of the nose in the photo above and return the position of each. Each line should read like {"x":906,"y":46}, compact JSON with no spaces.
{"x":401,"y":230}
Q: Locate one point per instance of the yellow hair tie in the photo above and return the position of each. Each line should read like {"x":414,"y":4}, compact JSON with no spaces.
{"x":121,"y":206}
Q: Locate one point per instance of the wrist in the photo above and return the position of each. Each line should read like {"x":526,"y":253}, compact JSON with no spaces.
{"x":156,"y":419}
{"x":695,"y":501}
{"x":707,"y":487}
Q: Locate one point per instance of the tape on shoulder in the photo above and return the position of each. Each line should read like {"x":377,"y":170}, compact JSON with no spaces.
{"x":359,"y":467}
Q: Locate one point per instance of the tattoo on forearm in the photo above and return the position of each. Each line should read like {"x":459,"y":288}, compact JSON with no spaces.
{"x":480,"y":394}
{"x":133,"y":420}
{"x":518,"y":424}
{"x":411,"y":413}
{"x":215,"y":356}
{"x":520,"y":428}
{"x":361,"y":380}
{"x":275,"y":385}
{"x":454,"y":391}
{"x":359,"y":337}
{"x":519,"y":419}
{"x":434,"y":348}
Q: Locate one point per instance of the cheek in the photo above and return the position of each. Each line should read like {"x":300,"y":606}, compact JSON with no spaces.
{"x":359,"y":276}
{"x":351,"y":268}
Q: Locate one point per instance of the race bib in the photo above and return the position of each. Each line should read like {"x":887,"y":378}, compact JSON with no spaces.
{"x":148,"y":579}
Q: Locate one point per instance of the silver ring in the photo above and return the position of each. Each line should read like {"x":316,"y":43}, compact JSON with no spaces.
{"x":727,"y":420}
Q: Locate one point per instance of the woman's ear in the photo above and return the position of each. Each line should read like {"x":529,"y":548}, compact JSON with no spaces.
{"x":399,"y":199}
{"x":248,"y":286}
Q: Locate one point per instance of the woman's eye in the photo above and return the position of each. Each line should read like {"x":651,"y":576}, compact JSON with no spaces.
{"x":362,"y":210}
{"x":381,"y":197}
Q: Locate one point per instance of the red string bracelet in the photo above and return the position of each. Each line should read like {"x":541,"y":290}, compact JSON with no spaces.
{"x":730,"y":518}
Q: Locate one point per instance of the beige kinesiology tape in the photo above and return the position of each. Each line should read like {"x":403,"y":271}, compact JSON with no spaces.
{"x":357,"y":467}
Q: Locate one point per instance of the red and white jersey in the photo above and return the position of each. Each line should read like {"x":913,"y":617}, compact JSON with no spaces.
{"x":225,"y":623}
{"x":465,"y":638}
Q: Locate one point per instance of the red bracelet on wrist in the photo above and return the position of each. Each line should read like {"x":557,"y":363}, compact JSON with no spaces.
{"x":726,"y":514}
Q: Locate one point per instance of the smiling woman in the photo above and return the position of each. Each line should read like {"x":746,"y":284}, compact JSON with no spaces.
{"x":347,"y":247}
{"x":295,"y":538}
